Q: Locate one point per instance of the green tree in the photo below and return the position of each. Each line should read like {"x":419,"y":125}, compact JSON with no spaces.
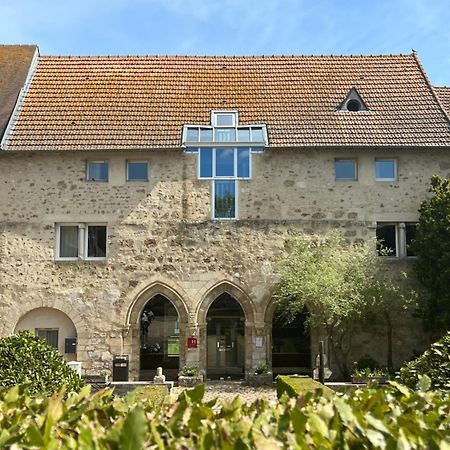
{"x":432,"y":247}
{"x":342,"y":286}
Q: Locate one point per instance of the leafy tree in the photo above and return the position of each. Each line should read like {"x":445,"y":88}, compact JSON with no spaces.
{"x":28,"y":360}
{"x":342,"y":287}
{"x":432,"y":247}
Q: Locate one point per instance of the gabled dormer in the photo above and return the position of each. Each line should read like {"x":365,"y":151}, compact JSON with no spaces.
{"x":353,"y":102}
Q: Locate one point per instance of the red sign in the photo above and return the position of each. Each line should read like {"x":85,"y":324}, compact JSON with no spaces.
{"x":192,"y":342}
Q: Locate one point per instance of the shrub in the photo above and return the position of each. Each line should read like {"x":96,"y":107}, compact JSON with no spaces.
{"x":263,"y":368}
{"x":434,"y":362}
{"x":295,"y":385}
{"x":393,"y":417}
{"x":188,"y":371}
{"x":26,"y":359}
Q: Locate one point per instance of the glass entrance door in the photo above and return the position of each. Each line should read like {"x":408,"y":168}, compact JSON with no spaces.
{"x":225,"y":338}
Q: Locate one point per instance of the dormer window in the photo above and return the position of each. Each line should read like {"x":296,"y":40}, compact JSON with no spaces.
{"x":224,"y":119}
{"x":353,"y":102}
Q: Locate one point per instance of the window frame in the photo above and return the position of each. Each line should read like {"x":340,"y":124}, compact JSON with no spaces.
{"x":88,"y":162}
{"x":36,"y":330}
{"x":397,"y":239}
{"x":58,"y":242}
{"x":235,"y":163}
{"x":216,"y":112}
{"x":394,"y":160}
{"x":236,"y":200}
{"x":140,"y":180}
{"x":355,"y":161}
{"x":86,"y":242}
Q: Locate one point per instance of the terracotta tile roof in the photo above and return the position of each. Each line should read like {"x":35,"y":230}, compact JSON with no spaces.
{"x":142,"y":102}
{"x":443,"y":93}
{"x":15,"y":61}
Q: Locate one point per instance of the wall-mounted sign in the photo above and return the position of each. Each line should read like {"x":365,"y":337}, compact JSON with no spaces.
{"x":192,"y":342}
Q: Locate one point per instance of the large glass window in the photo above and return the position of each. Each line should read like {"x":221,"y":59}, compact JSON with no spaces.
{"x":385,"y":169}
{"x":345,"y":169}
{"x":97,"y":171}
{"x":96,"y":241}
{"x":225,"y":199}
{"x":225,"y":162}
{"x":229,"y":162}
{"x":386,"y":239}
{"x":68,"y":242}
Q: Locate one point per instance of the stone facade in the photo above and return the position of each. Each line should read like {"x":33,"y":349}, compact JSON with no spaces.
{"x":161,"y":240}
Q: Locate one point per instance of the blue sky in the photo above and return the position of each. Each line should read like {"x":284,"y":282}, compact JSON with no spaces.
{"x":234,"y":27}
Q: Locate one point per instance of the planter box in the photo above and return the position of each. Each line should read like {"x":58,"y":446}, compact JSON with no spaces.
{"x":190,"y":381}
{"x":262,"y":379}
{"x":367,"y":380}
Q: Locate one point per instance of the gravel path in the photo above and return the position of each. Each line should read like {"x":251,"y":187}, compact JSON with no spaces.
{"x":228,"y":390}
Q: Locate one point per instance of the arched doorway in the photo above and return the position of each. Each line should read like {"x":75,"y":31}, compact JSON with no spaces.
{"x":291,"y":345}
{"x":53,"y":326}
{"x":225,"y":328}
{"x":159,"y":338}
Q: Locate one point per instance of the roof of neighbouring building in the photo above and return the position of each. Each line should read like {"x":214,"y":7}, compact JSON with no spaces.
{"x":443,"y":93}
{"x":15,"y":62}
{"x":141,"y":102}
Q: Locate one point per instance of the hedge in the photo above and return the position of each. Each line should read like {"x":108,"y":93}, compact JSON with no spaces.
{"x":295,"y":385}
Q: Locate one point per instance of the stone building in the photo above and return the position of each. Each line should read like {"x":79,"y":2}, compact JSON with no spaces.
{"x":145,"y":200}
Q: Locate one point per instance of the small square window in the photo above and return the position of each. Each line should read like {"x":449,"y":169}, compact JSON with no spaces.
{"x":191,"y":134}
{"x":345,"y":169}
{"x":96,"y":242}
{"x":243,"y":134}
{"x":97,"y":171}
{"x":68,"y":242}
{"x":137,"y":171}
{"x":257,"y":134}
{"x":386,"y":239}
{"x":224,"y":119}
{"x":385,"y":169}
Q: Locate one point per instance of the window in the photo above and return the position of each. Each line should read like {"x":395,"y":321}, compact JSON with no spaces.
{"x":386,"y":239}
{"x":80,"y":241}
{"x":48,"y":335}
{"x":97,"y":171}
{"x":137,"y":171}
{"x":354,"y":105}
{"x":345,"y":169}
{"x":410,"y":231}
{"x":224,"y":118}
{"x":385,"y":169}
{"x":224,"y":199}
{"x":225,"y":162}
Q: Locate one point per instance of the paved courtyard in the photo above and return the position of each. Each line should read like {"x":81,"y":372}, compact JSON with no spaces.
{"x":228,"y":390}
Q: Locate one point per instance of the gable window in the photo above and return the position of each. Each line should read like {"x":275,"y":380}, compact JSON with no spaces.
{"x":137,"y":171}
{"x":97,"y":171}
{"x":80,"y":241}
{"x":48,"y":335}
{"x":352,"y":102}
{"x":345,"y":169}
{"x":385,"y":169}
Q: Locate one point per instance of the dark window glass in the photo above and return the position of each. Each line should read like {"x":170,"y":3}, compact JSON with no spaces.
{"x":96,"y":241}
{"x":137,"y":171}
{"x":257,"y":134}
{"x":191,"y":150}
{"x":97,"y":171}
{"x":345,"y":169}
{"x":385,"y":169}
{"x":410,"y":230}
{"x":224,"y":120}
{"x":68,"y":241}
{"x":353,"y":105}
{"x":192,"y":135}
{"x":206,"y":135}
{"x":50,"y":336}
{"x":257,"y":149}
{"x":243,"y":163}
{"x":386,"y":240}
{"x":224,"y":162}
{"x":243,"y":134}
{"x":225,"y":135}
{"x":206,"y":165}
{"x":225,"y":199}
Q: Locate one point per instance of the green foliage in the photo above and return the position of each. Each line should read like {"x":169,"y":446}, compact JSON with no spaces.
{"x":389,"y":418}
{"x":151,"y":395}
{"x":295,"y":385}
{"x":434,"y":363}
{"x":27,"y":360}
{"x":367,"y":372}
{"x":188,"y":371}
{"x":432,"y":247}
{"x":263,"y":368}
{"x":366,"y":362}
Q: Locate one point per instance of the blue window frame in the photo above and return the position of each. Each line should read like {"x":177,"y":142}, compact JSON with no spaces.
{"x":385,"y":169}
{"x":97,"y":171}
{"x":137,"y":171}
{"x":345,"y":169}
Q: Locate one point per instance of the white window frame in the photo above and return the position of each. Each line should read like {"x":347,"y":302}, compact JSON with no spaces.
{"x":82,"y":241}
{"x":140,"y":162}
{"x":236,"y":200}
{"x":355,"y":172}
{"x":86,"y":234}
{"x":216,"y":112}
{"x":394,"y":160}
{"x":88,"y":171}
{"x":235,"y":160}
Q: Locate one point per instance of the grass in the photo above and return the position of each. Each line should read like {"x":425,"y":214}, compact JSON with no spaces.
{"x":295,"y":385}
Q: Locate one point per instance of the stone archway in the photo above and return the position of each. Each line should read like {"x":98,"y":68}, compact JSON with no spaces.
{"x":132,"y":338}
{"x":54,"y":326}
{"x":244,"y":301}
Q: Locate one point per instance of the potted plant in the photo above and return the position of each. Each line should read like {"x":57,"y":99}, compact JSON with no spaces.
{"x":262,"y":376}
{"x":189,"y":376}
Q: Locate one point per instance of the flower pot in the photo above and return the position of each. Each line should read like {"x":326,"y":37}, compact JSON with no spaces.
{"x":185,"y":381}
{"x":260,"y":379}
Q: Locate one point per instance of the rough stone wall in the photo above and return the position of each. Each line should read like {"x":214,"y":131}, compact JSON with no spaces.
{"x":160,"y":231}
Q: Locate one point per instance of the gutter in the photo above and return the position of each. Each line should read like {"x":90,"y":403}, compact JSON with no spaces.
{"x":21,"y":97}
